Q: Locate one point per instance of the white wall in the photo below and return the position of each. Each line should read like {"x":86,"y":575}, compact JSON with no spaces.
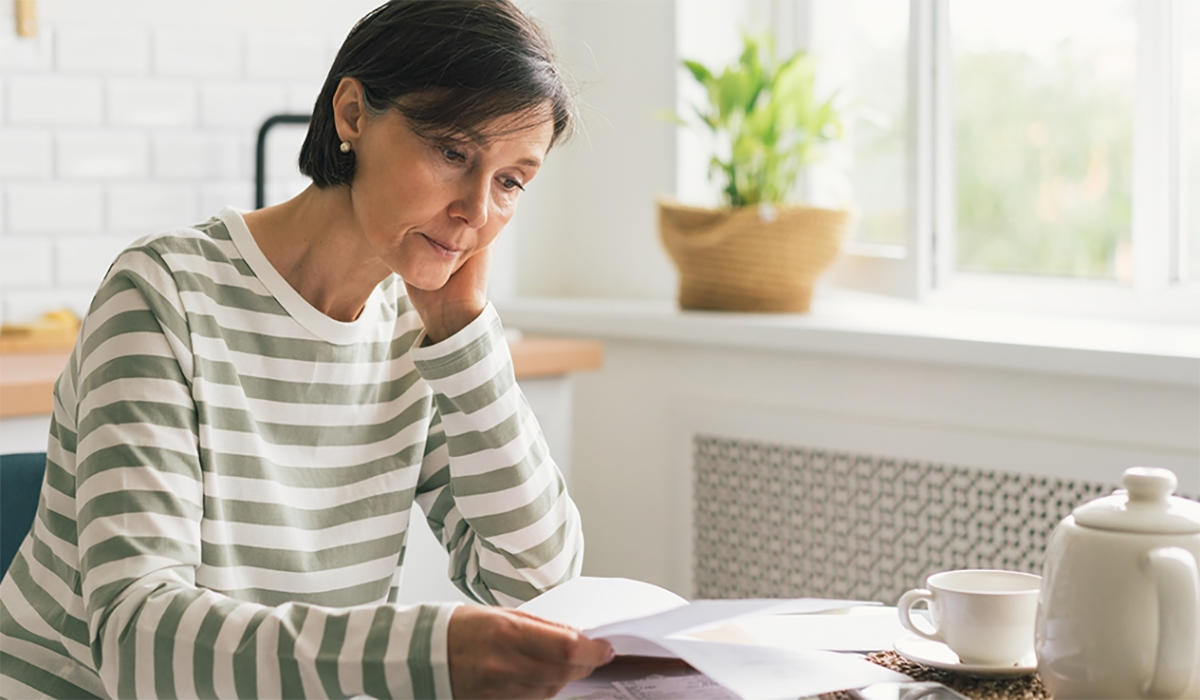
{"x":122,"y":117}
{"x":587,"y":227}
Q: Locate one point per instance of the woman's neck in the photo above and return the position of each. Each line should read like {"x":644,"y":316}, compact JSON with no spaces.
{"x":315,"y":243}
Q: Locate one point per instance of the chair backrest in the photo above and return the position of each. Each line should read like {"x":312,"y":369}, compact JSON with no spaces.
{"x":20,"y":486}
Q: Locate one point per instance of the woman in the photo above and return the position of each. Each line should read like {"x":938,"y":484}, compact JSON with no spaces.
{"x":255,"y":403}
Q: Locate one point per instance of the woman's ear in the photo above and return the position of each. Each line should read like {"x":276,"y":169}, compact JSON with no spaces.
{"x":349,"y":110}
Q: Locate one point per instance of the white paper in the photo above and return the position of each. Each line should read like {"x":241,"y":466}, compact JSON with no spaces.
{"x":873,"y":630}
{"x":769,"y":673}
{"x":633,"y":645}
{"x":705,"y":612}
{"x":639,"y":619}
{"x":625,"y":610}
{"x":589,"y":602}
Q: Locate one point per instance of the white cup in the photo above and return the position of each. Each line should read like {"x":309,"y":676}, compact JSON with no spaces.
{"x":986,"y":616}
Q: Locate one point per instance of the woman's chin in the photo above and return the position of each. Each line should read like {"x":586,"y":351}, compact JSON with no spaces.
{"x":426,"y":283}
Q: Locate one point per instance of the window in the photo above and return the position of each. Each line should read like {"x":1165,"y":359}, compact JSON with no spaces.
{"x":866,"y":63}
{"x":1042,"y":133}
{"x":1007,"y":150}
{"x":1188,"y":39}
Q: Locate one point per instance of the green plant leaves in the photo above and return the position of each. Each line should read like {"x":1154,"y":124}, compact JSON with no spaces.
{"x":769,"y":116}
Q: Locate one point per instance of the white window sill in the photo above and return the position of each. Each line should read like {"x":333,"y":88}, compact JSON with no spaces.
{"x":865,"y":325}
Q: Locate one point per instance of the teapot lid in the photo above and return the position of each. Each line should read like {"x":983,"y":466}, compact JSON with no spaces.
{"x":1145,"y":505}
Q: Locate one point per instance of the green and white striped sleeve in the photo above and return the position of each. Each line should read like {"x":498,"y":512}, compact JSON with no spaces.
{"x":488,"y":486}
{"x":141,"y":496}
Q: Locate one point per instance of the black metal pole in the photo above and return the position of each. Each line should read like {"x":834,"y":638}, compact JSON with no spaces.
{"x":260,"y":166}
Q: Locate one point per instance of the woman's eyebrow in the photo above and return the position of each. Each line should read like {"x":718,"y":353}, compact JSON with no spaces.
{"x":531,"y":162}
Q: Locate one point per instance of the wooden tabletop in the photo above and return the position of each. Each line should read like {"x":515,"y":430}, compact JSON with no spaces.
{"x":548,"y":357}
{"x":27,"y":378}
{"x":27,"y":382}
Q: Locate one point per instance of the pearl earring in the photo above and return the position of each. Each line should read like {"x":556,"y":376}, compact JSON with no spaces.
{"x":345,"y":147}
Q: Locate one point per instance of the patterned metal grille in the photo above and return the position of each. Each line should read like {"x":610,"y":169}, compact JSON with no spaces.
{"x":787,"y":521}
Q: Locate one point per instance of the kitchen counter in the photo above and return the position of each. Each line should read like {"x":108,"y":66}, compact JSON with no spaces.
{"x":27,"y":381}
{"x":27,"y":378}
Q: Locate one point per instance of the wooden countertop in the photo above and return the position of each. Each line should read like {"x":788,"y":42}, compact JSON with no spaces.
{"x":548,"y":357}
{"x":27,"y":378}
{"x":27,"y":382}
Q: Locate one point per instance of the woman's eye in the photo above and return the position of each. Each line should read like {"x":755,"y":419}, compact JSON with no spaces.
{"x":453,"y":155}
{"x":511,"y":184}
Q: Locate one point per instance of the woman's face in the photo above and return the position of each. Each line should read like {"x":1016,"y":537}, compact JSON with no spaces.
{"x":426,"y":205}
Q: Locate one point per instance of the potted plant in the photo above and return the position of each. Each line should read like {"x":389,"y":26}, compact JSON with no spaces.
{"x":757,"y":252}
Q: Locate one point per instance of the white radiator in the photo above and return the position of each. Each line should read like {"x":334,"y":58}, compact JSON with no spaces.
{"x":775,"y":520}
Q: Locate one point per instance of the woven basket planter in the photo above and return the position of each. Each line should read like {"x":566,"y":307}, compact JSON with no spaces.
{"x":741,"y":260}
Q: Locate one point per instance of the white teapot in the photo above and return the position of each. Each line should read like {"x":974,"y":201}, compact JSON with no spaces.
{"x":1119,"y":610}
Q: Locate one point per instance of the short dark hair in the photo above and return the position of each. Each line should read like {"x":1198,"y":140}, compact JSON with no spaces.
{"x":449,"y":66}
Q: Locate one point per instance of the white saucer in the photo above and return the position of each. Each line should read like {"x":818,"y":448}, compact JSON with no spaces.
{"x":937,"y":655}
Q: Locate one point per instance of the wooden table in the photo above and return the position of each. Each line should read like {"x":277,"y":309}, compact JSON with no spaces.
{"x":27,"y":382}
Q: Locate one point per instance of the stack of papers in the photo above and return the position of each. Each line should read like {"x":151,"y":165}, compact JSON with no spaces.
{"x":642,"y":619}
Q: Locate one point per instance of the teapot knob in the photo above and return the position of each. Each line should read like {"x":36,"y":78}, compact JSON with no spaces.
{"x":1149,"y":484}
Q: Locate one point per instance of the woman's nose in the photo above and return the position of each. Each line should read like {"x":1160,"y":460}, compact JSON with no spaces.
{"x":471,"y":207}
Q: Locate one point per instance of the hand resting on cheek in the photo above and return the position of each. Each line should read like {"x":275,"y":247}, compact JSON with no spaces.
{"x":448,"y":310}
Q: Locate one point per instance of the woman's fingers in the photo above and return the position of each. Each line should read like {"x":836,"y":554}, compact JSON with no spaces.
{"x":562,"y":645}
{"x":501,"y":653}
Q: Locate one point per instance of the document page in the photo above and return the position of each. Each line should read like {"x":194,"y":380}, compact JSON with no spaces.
{"x":589,"y":602}
{"x":705,"y":612}
{"x":690,"y":687}
{"x":859,"y":629}
{"x":770,"y":673}
{"x":644,"y":620}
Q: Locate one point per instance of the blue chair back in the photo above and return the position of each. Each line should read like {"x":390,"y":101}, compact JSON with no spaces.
{"x":20,"y":487}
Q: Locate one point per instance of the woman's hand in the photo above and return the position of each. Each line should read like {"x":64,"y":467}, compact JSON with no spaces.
{"x":499,"y":653}
{"x":448,"y":310}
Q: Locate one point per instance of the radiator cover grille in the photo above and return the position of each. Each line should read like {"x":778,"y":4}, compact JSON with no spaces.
{"x":788,"y":521}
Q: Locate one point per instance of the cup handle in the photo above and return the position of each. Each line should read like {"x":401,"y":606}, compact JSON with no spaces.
{"x":904,"y":608}
{"x":1175,"y":574}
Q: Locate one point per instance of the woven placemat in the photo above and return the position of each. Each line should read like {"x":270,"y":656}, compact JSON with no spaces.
{"x":1027,"y":687}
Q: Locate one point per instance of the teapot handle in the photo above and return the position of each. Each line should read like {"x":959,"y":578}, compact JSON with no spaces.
{"x":1175,"y":574}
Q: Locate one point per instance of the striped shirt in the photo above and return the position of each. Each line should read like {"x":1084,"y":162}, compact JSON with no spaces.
{"x":229,"y":482}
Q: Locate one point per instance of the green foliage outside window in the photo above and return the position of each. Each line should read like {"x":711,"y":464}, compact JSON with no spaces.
{"x":1043,"y":171}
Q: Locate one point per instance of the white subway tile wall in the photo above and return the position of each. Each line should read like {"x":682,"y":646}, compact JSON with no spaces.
{"x":55,"y":207}
{"x":136,"y":209}
{"x":151,"y":102}
{"x":55,"y":100}
{"x":196,"y":155}
{"x":26,"y":154}
{"x":191,"y":55}
{"x":102,"y":51}
{"x":286,"y":56}
{"x":119,"y":120}
{"x":233,"y":104}
{"x":25,"y":263}
{"x":31,"y":54}
{"x":83,"y":261}
{"x":217,"y":195}
{"x":102,"y":154}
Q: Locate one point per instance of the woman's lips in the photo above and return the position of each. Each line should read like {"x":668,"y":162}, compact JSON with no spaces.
{"x":442,"y":250}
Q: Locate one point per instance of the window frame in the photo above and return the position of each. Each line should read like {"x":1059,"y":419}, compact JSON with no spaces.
{"x":923,"y":268}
